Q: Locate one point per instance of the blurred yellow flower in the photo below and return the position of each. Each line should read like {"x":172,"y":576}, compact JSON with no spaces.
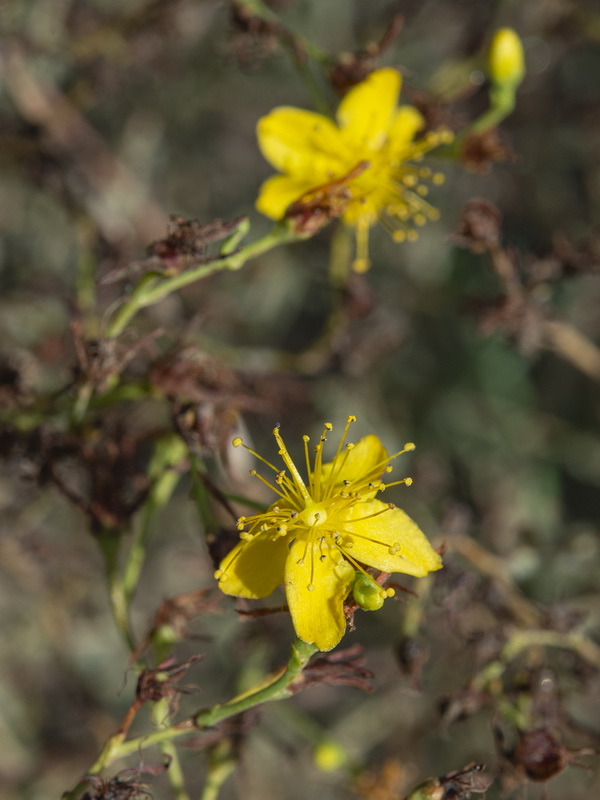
{"x":371,"y":150}
{"x":318,"y":533}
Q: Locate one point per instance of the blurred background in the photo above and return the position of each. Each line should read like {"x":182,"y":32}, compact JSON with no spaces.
{"x":116,"y":115}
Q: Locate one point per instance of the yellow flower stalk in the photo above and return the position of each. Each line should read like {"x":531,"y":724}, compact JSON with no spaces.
{"x":370,"y":149}
{"x":320,"y":532}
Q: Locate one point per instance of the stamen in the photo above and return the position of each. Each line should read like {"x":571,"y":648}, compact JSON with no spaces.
{"x":302,"y":558}
{"x":221,"y":574}
{"x":291,"y":466}
{"x":283,"y":495}
{"x":306,"y":440}
{"x":362,"y":262}
{"x":289,"y":489}
{"x":322,"y":557}
{"x":353,"y":561}
{"x":280,"y":530}
{"x":312,"y":567}
{"x":381,"y":466}
{"x":238,"y":442}
{"x":316,"y":475}
{"x":406,"y":481}
{"x":337,"y":463}
{"x":389,"y":507}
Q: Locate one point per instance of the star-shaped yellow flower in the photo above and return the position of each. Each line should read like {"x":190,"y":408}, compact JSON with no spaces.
{"x":317,"y":535}
{"x":371,"y":149}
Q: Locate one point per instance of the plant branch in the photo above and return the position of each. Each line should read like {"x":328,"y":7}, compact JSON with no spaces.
{"x":153,"y":287}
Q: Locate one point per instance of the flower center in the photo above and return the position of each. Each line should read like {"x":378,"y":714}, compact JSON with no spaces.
{"x":314,"y":514}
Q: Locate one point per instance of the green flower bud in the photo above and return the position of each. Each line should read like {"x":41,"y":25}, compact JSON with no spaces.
{"x":506,"y":62}
{"x":368,"y":593}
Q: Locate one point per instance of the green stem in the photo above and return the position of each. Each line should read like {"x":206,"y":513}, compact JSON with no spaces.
{"x":82,"y":402}
{"x":522,"y":639}
{"x":275,"y":689}
{"x":175,"y":772}
{"x":258,"y":9}
{"x":209,"y":520}
{"x":319,"y":100}
{"x":85,"y":284}
{"x":245,"y":501}
{"x":221,"y":763}
{"x":169,"y":452}
{"x":153,"y":288}
{"x":109,"y":540}
{"x":573,"y":640}
{"x":160,"y":713}
{"x":298,"y":48}
{"x":502,"y":103}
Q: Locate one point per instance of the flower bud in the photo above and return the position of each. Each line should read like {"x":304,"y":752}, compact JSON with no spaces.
{"x":367,"y":593}
{"x":506,"y":62}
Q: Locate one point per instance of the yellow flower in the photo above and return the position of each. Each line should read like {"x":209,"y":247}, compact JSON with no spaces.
{"x":318,"y":533}
{"x":372,"y":150}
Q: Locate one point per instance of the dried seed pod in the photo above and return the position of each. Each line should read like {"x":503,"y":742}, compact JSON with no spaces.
{"x":541,"y":754}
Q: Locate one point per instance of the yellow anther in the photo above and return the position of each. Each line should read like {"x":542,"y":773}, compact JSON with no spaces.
{"x":361,"y":265}
{"x":237,"y":441}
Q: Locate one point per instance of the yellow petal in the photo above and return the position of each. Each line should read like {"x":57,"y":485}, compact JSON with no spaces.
{"x":356,"y":463}
{"x":366,"y":112}
{"x":317,"y":612}
{"x":278,"y":192}
{"x":391,"y":541}
{"x":303,"y":144}
{"x":406,"y":124}
{"x":362,"y":215}
{"x":254,"y":567}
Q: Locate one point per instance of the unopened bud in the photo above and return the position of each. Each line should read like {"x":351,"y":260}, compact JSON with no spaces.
{"x":368,"y":593}
{"x":506,"y":62}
